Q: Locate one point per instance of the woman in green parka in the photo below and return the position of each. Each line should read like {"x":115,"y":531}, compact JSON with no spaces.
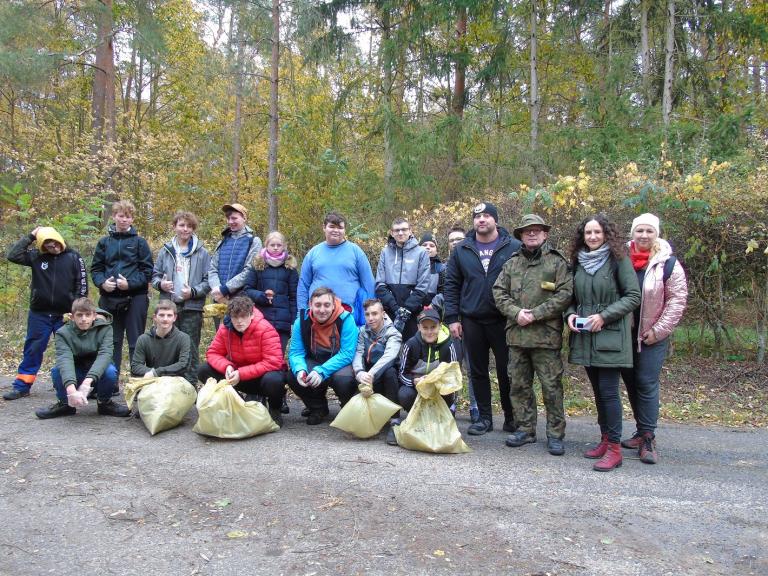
{"x":605,"y":292}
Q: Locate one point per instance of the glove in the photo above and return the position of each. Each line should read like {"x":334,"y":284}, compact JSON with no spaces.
{"x":401,"y":318}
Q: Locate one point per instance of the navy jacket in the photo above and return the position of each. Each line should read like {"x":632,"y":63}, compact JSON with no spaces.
{"x":124,"y":253}
{"x":283,"y":281}
{"x":468,"y":288}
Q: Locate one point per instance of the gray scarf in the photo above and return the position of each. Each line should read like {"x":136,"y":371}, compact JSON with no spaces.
{"x":593,"y":260}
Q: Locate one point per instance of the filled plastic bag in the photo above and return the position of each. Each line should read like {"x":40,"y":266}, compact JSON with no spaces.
{"x":162,"y":401}
{"x":222,"y":413}
{"x":217,"y":310}
{"x":430,"y":426}
{"x":365,"y":414}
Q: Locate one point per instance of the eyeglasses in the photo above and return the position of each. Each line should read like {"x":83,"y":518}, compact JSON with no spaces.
{"x":532,"y":231}
{"x":400,"y":230}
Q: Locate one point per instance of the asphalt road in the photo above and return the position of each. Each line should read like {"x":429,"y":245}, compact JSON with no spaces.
{"x":97,"y":495}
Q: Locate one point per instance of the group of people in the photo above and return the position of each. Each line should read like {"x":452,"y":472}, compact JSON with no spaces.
{"x":333,"y":323}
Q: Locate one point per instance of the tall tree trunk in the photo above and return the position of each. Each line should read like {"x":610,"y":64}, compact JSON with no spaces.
{"x":103,"y":103}
{"x":645,"y":53}
{"x":669,"y":55}
{"x":238,"y":121}
{"x":386,"y":104}
{"x":458,"y":100}
{"x":272,"y":217}
{"x":757,"y":86}
{"x":534,"y":101}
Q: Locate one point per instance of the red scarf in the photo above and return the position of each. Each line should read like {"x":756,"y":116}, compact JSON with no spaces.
{"x":639,"y":259}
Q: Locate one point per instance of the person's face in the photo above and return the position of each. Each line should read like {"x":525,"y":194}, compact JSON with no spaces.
{"x":594,"y":236}
{"x":322,"y":307}
{"x":235,"y":221}
{"x":454,"y":238}
{"x":374,"y":316}
{"x":334,"y":233}
{"x":183,"y":231}
{"x":430,"y":247}
{"x":123,"y":221}
{"x":401,"y":232}
{"x":533,"y":237}
{"x":241,"y":323}
{"x":429,"y":330}
{"x":164,"y":318}
{"x":275,"y":246}
{"x":84,"y":320}
{"x":52,"y":247}
{"x":484,"y":224}
{"x":644,"y":236}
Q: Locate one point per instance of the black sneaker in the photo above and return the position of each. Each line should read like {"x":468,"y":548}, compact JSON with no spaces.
{"x":316,"y":418}
{"x":55,"y":410}
{"x":391,"y":438}
{"x":555,"y":446}
{"x":481,"y":427}
{"x":509,"y":424}
{"x":284,"y":409}
{"x":15,"y":394}
{"x":277,"y":417}
{"x":112,"y":408}
{"x":520,"y":438}
{"x":305,"y":412}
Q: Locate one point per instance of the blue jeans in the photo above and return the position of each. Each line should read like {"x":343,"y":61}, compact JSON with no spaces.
{"x":39,"y":329}
{"x":642,"y":384}
{"x":103,"y":386}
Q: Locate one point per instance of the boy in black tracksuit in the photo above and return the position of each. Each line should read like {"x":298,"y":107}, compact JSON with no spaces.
{"x":122,"y":269}
{"x":58,"y":279}
{"x":421,"y":354}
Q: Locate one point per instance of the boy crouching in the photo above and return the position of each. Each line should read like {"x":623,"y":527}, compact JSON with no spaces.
{"x":84,"y":362}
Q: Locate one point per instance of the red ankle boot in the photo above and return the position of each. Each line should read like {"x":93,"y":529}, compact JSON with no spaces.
{"x":611,"y":459}
{"x":599,"y":450}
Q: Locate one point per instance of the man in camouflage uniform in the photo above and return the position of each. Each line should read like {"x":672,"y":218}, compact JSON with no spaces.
{"x":532,"y":291}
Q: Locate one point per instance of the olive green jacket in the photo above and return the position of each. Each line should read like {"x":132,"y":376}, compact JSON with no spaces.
{"x":613,"y":292}
{"x":544,"y":286}
{"x":77,"y":347}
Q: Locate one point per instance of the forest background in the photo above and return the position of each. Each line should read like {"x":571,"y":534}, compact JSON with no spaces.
{"x":383,"y":108}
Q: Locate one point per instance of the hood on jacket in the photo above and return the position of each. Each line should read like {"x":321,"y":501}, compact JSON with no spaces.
{"x":257,"y":315}
{"x":153,"y":332}
{"x":338,"y":310}
{"x":245,"y":230}
{"x":386,"y":326}
{"x":45,"y":233}
{"x":443,"y":334}
{"x":196,"y":244}
{"x":103,"y":318}
{"x":112,"y":229}
{"x":259,"y":264}
{"x":410,"y":244}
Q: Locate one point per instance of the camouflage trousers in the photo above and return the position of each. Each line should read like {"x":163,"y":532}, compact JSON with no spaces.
{"x":548,"y":365}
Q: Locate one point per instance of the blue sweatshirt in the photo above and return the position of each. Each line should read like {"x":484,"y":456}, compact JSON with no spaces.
{"x":343,"y":268}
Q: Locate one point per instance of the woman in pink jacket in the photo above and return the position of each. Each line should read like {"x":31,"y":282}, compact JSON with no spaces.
{"x":664,"y":296}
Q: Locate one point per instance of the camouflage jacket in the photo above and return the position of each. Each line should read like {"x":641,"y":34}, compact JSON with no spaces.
{"x":542,"y":284}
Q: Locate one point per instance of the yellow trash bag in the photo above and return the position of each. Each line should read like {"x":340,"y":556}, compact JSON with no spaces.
{"x":222,"y":413}
{"x":430,"y":426}
{"x":365,"y":414}
{"x":162,"y":401}
{"x":214,"y":310}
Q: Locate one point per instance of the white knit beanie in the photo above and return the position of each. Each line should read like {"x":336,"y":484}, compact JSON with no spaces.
{"x":649,"y":220}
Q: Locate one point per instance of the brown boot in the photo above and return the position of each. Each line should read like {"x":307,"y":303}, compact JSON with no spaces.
{"x":599,"y":450}
{"x":611,"y":460}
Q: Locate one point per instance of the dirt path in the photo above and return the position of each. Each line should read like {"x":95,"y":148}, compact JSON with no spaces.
{"x":95,"y":495}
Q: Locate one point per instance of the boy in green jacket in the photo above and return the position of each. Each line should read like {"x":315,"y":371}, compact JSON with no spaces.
{"x":84,"y":362}
{"x":164,"y":350}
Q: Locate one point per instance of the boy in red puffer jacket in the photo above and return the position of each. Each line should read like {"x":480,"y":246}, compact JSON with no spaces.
{"x":246,"y":352}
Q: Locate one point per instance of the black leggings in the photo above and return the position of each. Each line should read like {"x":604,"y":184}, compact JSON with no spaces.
{"x":605,"y":385}
{"x":271,"y":384}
